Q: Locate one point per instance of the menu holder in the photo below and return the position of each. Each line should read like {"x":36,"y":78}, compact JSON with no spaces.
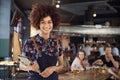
{"x":24,"y":60}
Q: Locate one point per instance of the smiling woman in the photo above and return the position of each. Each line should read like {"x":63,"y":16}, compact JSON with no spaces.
{"x":44,"y":18}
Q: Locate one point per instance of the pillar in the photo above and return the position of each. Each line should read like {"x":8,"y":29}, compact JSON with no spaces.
{"x":5,"y":9}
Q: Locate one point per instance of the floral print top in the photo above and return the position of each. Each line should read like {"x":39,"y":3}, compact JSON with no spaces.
{"x":49,"y":47}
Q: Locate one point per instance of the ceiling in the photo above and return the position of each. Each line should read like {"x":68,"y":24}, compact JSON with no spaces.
{"x":77,"y":12}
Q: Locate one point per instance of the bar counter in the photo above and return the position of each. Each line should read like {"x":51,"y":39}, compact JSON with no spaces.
{"x":85,"y":75}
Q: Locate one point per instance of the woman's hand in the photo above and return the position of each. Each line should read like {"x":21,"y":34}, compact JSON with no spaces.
{"x":85,"y":63}
{"x":34,"y":66}
{"x":47,"y":72}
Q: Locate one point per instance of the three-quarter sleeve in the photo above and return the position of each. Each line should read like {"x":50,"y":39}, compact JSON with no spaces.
{"x":28,"y":50}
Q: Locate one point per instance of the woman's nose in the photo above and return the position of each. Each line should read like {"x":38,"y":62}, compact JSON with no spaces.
{"x":46,"y":25}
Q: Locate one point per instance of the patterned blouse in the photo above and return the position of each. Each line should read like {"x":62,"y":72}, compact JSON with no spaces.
{"x":49,"y":47}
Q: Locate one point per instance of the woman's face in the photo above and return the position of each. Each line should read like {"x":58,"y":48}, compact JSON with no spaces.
{"x":46,"y":25}
{"x":81,"y":55}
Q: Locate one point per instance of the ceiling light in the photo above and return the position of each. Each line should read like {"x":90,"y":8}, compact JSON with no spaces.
{"x":94,"y":14}
{"x":57,"y":5}
{"x":58,"y":1}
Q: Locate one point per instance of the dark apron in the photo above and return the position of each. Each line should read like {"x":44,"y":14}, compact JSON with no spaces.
{"x":44,"y":62}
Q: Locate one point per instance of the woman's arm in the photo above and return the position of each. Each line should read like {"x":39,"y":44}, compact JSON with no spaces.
{"x":85,"y":63}
{"x":60,"y":64}
{"x":31,"y":67}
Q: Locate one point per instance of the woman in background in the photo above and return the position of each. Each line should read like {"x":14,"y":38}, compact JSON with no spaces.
{"x":79,"y":63}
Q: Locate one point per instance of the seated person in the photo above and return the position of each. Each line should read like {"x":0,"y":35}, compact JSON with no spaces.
{"x":93,"y":56}
{"x":79,"y":63}
{"x":108,"y":59}
{"x":66,"y":62}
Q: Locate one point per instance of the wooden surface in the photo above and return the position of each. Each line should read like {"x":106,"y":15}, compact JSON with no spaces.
{"x":85,"y":75}
{"x":7,"y":63}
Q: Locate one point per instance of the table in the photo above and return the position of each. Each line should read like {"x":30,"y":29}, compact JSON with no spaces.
{"x":8,"y":63}
{"x":84,"y":75}
{"x":4,"y":67}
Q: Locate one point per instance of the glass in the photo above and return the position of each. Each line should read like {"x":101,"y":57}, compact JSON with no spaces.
{"x":96,"y":72}
{"x":103,"y":69}
{"x":75,"y":72}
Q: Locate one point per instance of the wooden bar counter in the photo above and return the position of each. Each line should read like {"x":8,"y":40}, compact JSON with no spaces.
{"x":85,"y":75}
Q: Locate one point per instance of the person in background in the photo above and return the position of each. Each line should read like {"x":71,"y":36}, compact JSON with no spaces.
{"x":74,"y":51}
{"x":44,"y":18}
{"x":108,"y":59}
{"x":93,"y":57}
{"x":87,"y":49}
{"x":79,"y":63}
{"x":66,"y":62}
{"x":66,"y":54}
{"x":101,"y":49}
{"x":115,"y":50}
{"x":111,"y":61}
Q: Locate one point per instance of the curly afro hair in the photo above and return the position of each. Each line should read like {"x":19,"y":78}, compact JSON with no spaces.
{"x":40,"y":11}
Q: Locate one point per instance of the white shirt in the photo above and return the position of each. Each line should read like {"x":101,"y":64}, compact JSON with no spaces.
{"x":101,"y":50}
{"x":115,"y":51}
{"x":76,"y":65}
{"x":87,"y":50}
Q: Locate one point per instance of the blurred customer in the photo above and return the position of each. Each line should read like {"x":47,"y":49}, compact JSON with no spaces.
{"x":93,"y":56}
{"x":101,"y":49}
{"x":109,"y":60}
{"x":115,"y":50}
{"x":80,"y":63}
{"x":66,"y":62}
{"x":66,"y":54}
{"x":87,"y":49}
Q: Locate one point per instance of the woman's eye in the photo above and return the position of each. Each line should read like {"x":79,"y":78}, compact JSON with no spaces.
{"x":49,"y":22}
{"x":42,"y":22}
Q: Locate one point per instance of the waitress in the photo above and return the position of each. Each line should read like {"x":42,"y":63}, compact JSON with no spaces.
{"x":44,"y":18}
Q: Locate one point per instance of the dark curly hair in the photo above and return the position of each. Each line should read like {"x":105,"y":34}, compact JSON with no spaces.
{"x":40,"y":11}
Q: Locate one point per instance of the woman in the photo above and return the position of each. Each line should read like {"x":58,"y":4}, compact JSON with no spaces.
{"x":79,"y":62}
{"x":45,"y":18}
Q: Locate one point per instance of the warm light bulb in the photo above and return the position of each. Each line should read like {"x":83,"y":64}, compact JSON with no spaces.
{"x":94,"y":14}
{"x":58,"y":1}
{"x":57,"y":5}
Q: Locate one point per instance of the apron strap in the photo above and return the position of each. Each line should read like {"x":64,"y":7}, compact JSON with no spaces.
{"x":35,"y":44}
